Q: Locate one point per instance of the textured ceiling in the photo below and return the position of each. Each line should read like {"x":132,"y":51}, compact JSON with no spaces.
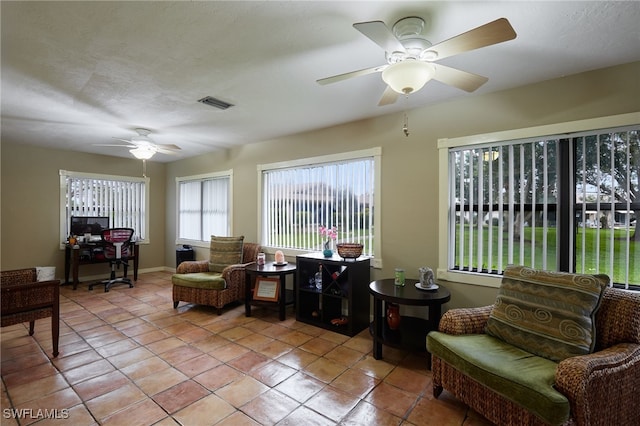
{"x":75,"y":74}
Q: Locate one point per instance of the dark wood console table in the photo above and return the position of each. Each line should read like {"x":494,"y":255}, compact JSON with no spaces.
{"x":73,"y":260}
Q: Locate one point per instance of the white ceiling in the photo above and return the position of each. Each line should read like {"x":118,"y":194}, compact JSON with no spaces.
{"x":76,"y":74}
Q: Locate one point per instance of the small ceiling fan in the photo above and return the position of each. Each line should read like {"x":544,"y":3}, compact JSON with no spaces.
{"x":143,"y":147}
{"x":411,"y":57}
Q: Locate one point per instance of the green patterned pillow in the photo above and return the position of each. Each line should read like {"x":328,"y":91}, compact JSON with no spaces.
{"x":549,"y":314}
{"x":224,"y":251}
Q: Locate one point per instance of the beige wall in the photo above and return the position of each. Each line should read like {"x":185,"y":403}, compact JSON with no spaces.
{"x":409,"y":171}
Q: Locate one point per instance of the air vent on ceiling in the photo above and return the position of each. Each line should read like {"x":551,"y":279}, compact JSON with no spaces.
{"x":216,"y":103}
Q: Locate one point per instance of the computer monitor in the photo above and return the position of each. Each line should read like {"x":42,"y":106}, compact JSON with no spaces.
{"x":93,"y":225}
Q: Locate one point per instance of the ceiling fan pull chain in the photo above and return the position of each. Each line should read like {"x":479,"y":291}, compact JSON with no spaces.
{"x":405,"y":126}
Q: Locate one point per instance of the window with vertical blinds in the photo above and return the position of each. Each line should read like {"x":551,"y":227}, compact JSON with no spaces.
{"x":607,"y":204}
{"x":121,"y":198}
{"x":505,"y":199}
{"x":567,"y":202}
{"x":334,"y":191}
{"x":204,"y":204}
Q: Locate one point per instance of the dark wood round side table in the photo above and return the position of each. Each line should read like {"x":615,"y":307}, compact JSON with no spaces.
{"x":412,"y":332}
{"x":270,"y":269}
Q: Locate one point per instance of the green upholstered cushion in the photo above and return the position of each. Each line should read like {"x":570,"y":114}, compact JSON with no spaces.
{"x":206,"y":280}
{"x":515,"y":374}
{"x":550,"y":314}
{"x":224,"y":251}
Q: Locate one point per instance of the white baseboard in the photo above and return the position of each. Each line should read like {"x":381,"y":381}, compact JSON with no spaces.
{"x":89,"y":278}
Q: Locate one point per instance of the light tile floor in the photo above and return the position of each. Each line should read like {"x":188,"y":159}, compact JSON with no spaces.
{"x":128,"y":358}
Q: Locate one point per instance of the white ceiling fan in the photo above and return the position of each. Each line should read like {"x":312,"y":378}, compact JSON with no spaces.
{"x":143,"y":147}
{"x":411,"y":58}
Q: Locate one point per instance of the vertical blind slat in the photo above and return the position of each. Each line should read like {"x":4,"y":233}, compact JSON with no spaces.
{"x":479,"y":242}
{"x":522,"y":196}
{"x":470,"y":191}
{"x":533,"y":203}
{"x":545,"y":203}
{"x":613,"y":200}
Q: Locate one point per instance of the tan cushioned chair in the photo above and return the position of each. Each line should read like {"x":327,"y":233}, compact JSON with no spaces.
{"x":193,"y":281}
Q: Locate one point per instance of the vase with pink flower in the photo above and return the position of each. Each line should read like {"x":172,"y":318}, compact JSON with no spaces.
{"x":329,"y":235}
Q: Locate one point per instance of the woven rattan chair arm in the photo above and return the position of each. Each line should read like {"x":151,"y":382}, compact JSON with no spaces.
{"x":191,"y":266}
{"x":465,"y":320}
{"x":239,"y":267}
{"x":235,"y":274}
{"x":588,"y":381}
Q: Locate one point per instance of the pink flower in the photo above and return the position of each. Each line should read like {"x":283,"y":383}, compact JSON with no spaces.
{"x":330,"y":233}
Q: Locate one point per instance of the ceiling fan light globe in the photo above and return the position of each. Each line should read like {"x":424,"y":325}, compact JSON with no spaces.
{"x":142,"y":153}
{"x":408,"y":76}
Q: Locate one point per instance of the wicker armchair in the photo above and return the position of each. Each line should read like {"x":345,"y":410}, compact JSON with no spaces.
{"x":234,"y":281}
{"x":600,"y":386}
{"x":26,"y":299}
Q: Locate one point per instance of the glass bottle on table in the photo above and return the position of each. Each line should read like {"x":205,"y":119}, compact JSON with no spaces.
{"x":318,"y":278}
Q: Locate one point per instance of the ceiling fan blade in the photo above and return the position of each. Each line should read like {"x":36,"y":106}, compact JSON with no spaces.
{"x":123,"y":140}
{"x":169,"y":147}
{"x":485,"y":35}
{"x":457,"y":78}
{"x":340,"y":77}
{"x":389,"y":96}
{"x":381,"y":35}
{"x":113,"y":144}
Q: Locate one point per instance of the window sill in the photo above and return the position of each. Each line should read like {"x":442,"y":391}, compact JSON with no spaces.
{"x":472,"y":278}
{"x":291,"y":254}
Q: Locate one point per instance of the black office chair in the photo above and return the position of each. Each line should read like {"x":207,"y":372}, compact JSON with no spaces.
{"x":117,"y":246}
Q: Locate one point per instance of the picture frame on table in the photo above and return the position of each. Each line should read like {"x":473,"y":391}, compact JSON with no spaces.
{"x":267,"y":289}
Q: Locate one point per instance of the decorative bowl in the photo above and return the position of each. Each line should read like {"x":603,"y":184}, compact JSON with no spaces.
{"x":349,"y":250}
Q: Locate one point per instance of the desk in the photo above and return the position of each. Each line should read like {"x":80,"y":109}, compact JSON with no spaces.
{"x":269,"y":270}
{"x":412,"y":332}
{"x":72,"y":261}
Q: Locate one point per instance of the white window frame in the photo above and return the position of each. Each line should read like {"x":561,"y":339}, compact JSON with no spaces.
{"x":376,"y":153}
{"x":445,"y":144}
{"x":65,"y":220}
{"x":202,"y":177}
